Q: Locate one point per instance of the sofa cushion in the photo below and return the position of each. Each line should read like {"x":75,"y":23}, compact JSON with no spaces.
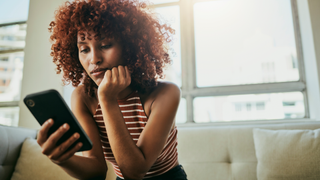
{"x":11,"y":139}
{"x":287,"y":154}
{"x":217,"y":151}
{"x":32,"y":164}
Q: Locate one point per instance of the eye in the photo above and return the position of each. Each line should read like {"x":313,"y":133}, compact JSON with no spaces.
{"x":105,"y":46}
{"x":84,"y":50}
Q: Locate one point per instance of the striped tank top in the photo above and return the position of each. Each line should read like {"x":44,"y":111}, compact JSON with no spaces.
{"x":136,"y":120}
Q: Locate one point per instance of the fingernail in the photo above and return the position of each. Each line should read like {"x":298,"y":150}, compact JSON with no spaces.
{"x":80,"y":144}
{"x":76,"y":135}
{"x":65,"y":126}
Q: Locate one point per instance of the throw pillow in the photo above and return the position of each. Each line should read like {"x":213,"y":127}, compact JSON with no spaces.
{"x":287,"y":154}
{"x":32,"y":164}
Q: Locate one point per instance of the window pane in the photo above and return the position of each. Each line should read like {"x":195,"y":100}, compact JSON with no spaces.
{"x":9,"y":116}
{"x":244,"y":42}
{"x":162,"y":1}
{"x":13,"y":10}
{"x":171,"y":16}
{"x":181,"y":116}
{"x":13,"y":37}
{"x":11,"y":65}
{"x":249,"y":107}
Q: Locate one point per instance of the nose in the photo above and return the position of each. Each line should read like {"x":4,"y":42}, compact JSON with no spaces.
{"x":96,"y":57}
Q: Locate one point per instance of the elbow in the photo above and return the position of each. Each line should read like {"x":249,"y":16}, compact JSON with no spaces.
{"x":96,"y":178}
{"x":133,"y":173}
{"x":134,"y":176}
{"x":100,"y":176}
{"x":103,"y":173}
{"x":135,"y":170}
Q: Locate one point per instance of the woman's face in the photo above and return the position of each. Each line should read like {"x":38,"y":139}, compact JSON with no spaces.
{"x":97,"y":56}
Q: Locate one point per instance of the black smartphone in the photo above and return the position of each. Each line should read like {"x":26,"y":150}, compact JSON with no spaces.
{"x":50,"y":104}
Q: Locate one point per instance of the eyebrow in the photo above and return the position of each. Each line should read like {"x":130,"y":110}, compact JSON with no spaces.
{"x":103,"y":38}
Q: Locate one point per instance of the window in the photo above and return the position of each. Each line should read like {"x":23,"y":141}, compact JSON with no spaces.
{"x":13,"y":16}
{"x":248,"y":107}
{"x":260,"y":106}
{"x":236,"y":59}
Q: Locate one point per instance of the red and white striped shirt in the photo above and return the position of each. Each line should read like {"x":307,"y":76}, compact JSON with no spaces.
{"x":136,"y":120}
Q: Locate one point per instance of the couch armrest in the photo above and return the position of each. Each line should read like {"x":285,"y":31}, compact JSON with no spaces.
{"x":11,"y":139}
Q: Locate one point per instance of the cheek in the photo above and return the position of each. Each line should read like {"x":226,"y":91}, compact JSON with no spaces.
{"x":119,"y":57}
{"x":83,"y":63}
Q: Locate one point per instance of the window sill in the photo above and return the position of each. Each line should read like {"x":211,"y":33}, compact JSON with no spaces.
{"x":248,"y":122}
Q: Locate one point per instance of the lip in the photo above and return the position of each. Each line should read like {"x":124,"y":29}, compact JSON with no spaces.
{"x":98,"y":71}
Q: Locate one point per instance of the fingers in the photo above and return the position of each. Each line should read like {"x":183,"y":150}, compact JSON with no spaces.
{"x":60,"y":150}
{"x":108,"y":75}
{"x":43,"y":132}
{"x":115,"y":73}
{"x":69,"y":153}
{"x":56,"y":153}
{"x":116,"y":79}
{"x":128,"y":75}
{"x":124,"y":76}
{"x":50,"y":143}
{"x":127,"y":71}
{"x":122,"y":72}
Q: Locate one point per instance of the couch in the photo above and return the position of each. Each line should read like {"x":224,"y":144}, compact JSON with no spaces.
{"x":215,"y":152}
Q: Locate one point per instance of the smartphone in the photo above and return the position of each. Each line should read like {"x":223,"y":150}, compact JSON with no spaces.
{"x":50,"y":104}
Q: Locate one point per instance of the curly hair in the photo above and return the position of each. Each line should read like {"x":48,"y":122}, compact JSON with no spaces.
{"x":132,"y":22}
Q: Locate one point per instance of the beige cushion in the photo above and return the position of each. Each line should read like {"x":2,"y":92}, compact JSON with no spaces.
{"x":32,"y":164}
{"x":287,"y":154}
{"x":111,"y":175}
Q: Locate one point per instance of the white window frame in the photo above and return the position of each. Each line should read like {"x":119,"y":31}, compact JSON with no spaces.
{"x":8,"y":104}
{"x":191,"y":91}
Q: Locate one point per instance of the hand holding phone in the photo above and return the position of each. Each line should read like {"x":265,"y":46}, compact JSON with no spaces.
{"x":49,"y":104}
{"x":57,"y":153}
{"x":61,"y":135}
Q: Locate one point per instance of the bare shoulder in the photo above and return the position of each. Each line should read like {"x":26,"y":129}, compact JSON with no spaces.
{"x":78,"y":95}
{"x":78,"y":92}
{"x":166,"y":89}
{"x":81,"y":99}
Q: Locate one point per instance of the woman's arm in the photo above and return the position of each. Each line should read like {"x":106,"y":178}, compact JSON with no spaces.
{"x":135,"y":160}
{"x":89,"y":166}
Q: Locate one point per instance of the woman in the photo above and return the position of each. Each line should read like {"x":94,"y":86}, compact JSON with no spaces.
{"x":113,"y":52}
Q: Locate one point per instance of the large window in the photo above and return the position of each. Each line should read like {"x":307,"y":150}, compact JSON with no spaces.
{"x":13,"y":16}
{"x":236,"y":59}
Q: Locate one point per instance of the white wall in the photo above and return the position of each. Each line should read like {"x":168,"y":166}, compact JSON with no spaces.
{"x":39,"y":70}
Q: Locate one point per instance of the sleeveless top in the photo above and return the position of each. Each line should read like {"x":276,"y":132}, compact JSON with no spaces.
{"x":136,"y":120}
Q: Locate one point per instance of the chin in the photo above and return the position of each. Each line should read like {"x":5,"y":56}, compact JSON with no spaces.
{"x":98,"y":82}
